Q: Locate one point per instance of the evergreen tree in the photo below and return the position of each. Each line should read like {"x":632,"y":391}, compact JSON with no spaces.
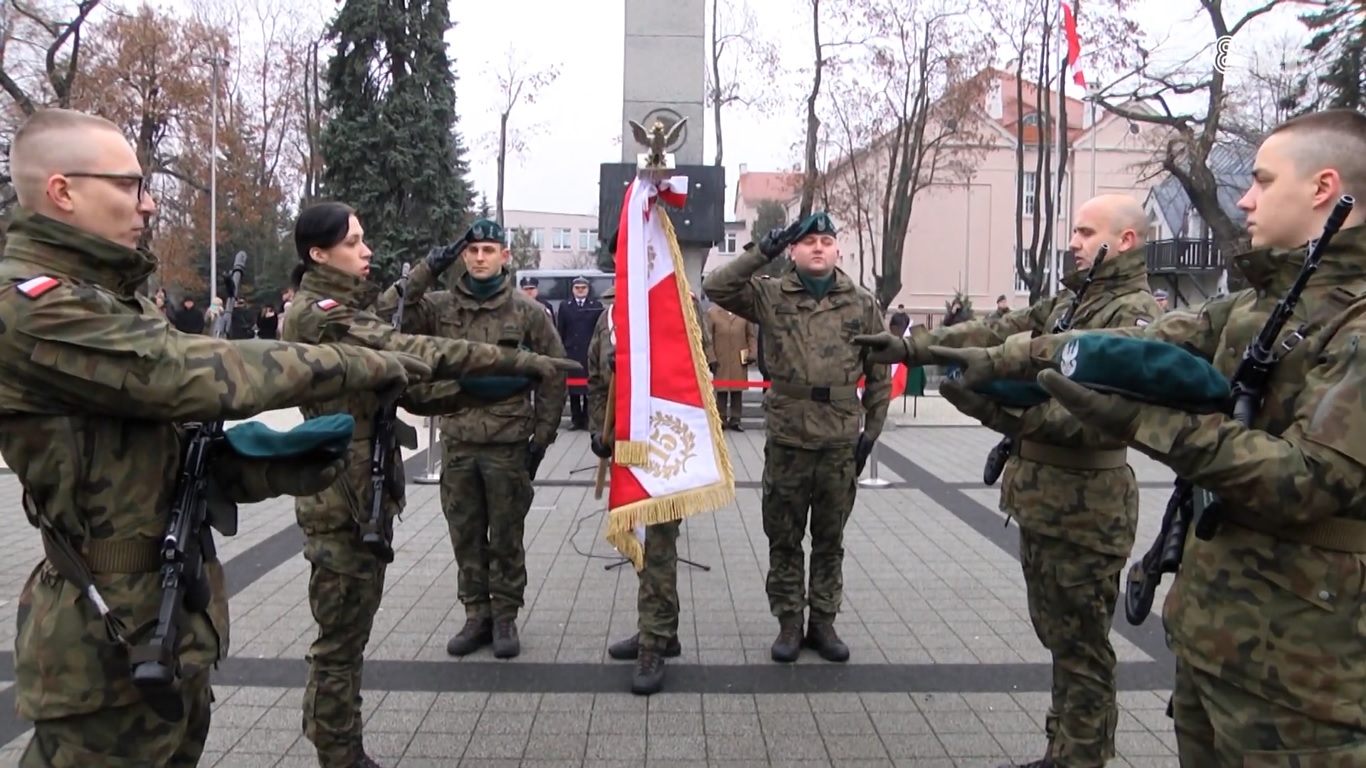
{"x":1339,"y":34}
{"x":390,"y":147}
{"x":485,"y":211}
{"x":769,"y":215}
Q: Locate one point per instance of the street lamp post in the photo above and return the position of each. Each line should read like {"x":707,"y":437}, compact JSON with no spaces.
{"x":214,"y":62}
{"x":1093,"y":96}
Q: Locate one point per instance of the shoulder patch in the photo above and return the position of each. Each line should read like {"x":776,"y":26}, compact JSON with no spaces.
{"x":37,"y":286}
{"x":328,"y":304}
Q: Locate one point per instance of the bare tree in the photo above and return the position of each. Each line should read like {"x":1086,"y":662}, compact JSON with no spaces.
{"x":740,"y":64}
{"x":839,"y":14}
{"x":580,"y":260}
{"x":1194,"y":133}
{"x":1278,"y":78}
{"x":517,"y":82}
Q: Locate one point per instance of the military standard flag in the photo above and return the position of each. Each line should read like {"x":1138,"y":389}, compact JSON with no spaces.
{"x":670,"y":459}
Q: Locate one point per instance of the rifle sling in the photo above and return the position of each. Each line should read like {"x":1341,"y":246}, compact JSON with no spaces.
{"x":1072,"y":458}
{"x":1337,"y":534}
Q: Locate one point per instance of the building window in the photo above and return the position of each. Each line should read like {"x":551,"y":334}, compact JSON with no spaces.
{"x":537,"y":239}
{"x":1062,"y":260}
{"x":1031,"y":119}
{"x":730,"y":245}
{"x":588,"y":239}
{"x":1030,"y":185}
{"x":563,"y":239}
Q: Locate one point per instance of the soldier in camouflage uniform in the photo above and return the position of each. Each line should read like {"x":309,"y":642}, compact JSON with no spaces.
{"x":657,"y":596}
{"x":493,"y":448}
{"x":1265,"y":618}
{"x":95,"y":384}
{"x":815,"y":450}
{"x":1070,"y":487}
{"x":347,"y":578}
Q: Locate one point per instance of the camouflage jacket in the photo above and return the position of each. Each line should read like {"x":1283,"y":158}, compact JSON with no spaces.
{"x":806,"y":344}
{"x":1253,"y":606}
{"x":509,"y":319}
{"x":94,"y":381}
{"x":333,"y":306}
{"x":600,"y":349}
{"x":1094,"y":508}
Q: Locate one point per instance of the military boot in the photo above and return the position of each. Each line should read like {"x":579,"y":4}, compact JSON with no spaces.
{"x":625,"y":650}
{"x":477,"y":633}
{"x":789,"y":643}
{"x":822,"y":638}
{"x":363,"y":760}
{"x":649,"y":676}
{"x":506,"y":644}
{"x":1044,"y":762}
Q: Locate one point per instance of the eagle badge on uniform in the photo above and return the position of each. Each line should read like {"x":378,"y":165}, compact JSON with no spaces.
{"x":1068,"y":363}
{"x":35,"y":287}
{"x":327,"y":304}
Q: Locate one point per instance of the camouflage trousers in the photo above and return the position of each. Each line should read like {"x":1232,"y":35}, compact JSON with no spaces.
{"x":657,"y":597}
{"x":798,"y":480}
{"x":1072,"y":592}
{"x":1219,"y":725}
{"x":486,"y":494}
{"x":344,"y":606}
{"x":125,"y":737}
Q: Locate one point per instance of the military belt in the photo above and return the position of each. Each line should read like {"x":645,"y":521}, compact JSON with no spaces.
{"x":103,"y":556}
{"x":814,"y":394}
{"x":1072,"y":458}
{"x":1337,"y":534}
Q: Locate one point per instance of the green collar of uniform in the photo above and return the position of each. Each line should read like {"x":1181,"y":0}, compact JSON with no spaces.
{"x":1275,"y":270}
{"x":1117,"y":269}
{"x":816,"y":286}
{"x":483,"y":289}
{"x":53,"y":245}
{"x":332,"y":283}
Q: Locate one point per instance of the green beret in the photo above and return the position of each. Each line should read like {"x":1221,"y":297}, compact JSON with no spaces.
{"x":1013,"y":394}
{"x":1145,"y":370}
{"x":329,"y":434}
{"x":817,"y":223}
{"x":486,"y":231}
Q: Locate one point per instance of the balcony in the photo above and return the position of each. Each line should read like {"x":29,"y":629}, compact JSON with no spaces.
{"x":1184,"y":256}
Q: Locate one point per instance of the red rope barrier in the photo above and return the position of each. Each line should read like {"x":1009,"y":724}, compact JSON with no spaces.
{"x":729,"y":384}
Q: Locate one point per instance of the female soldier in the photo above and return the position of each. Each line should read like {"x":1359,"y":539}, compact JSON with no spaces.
{"x":348,"y":577}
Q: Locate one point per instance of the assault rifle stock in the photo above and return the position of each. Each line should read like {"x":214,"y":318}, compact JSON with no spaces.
{"x":185,"y":545}
{"x":996,"y":460}
{"x":375,"y":530}
{"x":1192,"y":506}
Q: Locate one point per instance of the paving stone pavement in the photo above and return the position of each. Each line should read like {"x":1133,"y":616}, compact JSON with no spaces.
{"x":946,"y":670}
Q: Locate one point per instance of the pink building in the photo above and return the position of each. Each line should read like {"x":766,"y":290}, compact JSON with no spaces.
{"x":963,"y":227}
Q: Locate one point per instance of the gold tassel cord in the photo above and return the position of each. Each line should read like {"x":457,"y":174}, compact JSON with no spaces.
{"x":623,"y":520}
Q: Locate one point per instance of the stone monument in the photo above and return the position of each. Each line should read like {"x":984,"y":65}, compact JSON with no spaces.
{"x":665,"y":80}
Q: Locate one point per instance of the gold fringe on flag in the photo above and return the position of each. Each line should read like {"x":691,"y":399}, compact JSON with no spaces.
{"x":621,"y":522}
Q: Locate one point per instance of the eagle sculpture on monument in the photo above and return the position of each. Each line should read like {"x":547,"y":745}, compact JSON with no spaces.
{"x":657,"y":140}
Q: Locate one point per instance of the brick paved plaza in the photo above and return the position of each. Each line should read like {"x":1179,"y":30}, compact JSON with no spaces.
{"x":946,"y":670}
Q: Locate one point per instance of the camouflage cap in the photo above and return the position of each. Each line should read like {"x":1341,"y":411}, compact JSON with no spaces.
{"x":818,"y":223}
{"x":486,"y":231}
{"x":1148,"y":371}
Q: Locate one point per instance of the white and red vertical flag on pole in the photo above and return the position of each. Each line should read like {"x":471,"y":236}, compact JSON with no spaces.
{"x":1069,"y":23}
{"x":670,"y":459}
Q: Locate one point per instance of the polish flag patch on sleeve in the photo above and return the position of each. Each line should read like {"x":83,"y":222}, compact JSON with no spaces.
{"x":328,"y":304}
{"x":35,"y":287}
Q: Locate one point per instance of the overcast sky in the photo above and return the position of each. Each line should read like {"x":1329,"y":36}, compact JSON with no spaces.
{"x":579,"y":115}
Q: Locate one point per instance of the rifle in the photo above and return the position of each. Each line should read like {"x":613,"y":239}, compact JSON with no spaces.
{"x":374,"y":531}
{"x":1190,"y":505}
{"x":185,"y":545}
{"x":996,"y":460}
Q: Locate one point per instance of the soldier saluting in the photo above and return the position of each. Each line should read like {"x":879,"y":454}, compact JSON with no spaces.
{"x":815,"y":449}
{"x":1070,"y":488}
{"x":96,"y":383}
{"x":1264,"y":617}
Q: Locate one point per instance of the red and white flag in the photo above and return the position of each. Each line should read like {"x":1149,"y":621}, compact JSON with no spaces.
{"x":670,"y":459}
{"x":1069,"y":23}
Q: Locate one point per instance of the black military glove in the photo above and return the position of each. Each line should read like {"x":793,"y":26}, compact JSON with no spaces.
{"x":776,"y":241}
{"x":598,"y":447}
{"x":862,"y":451}
{"x":534,"y":453}
{"x":441,"y":258}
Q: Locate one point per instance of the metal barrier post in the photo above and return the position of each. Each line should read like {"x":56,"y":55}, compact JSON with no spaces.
{"x":432,"y":476}
{"x":872,"y":480}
